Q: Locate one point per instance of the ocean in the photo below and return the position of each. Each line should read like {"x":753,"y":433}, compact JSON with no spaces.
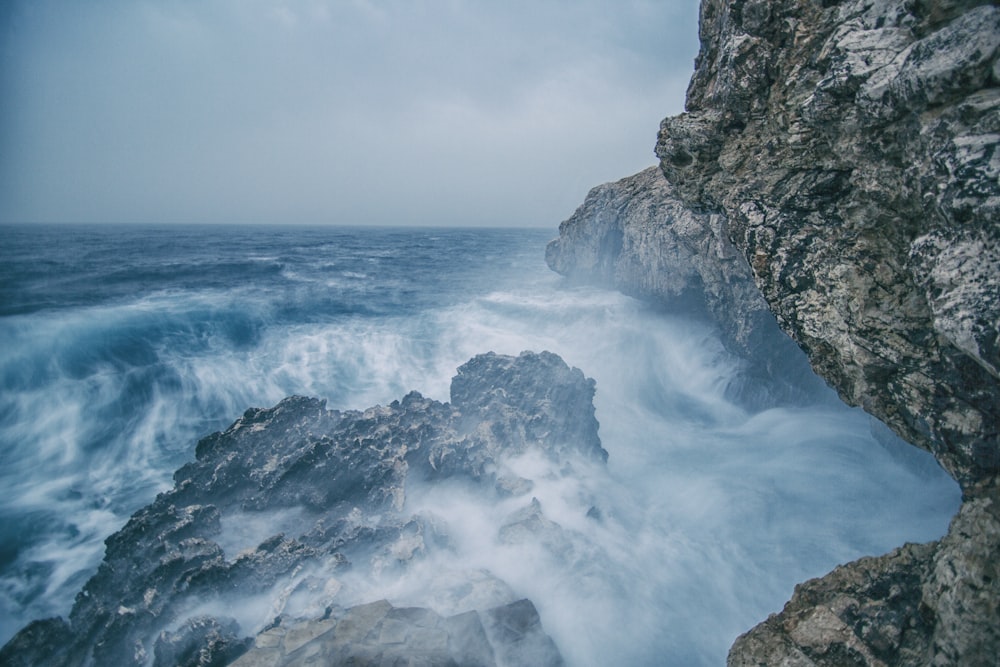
{"x":122,"y":345}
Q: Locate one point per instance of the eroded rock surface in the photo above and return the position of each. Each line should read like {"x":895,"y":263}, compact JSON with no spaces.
{"x":637,"y":236}
{"x":922,"y":604}
{"x":852,"y":147}
{"x":848,"y":150}
{"x":259,"y":530}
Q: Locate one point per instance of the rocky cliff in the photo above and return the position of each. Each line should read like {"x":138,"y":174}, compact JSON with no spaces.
{"x":848,"y":151}
{"x":635,"y":235}
{"x":852,"y":147}
{"x":255,"y":556}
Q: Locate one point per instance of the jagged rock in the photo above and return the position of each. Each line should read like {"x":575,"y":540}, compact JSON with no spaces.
{"x":848,"y":150}
{"x":636,"y":236}
{"x":927,"y":604}
{"x":200,"y":642}
{"x":327,"y":490}
{"x":380,"y":634}
{"x":852,"y":147}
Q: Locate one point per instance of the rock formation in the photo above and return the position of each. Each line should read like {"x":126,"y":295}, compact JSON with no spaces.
{"x":849,"y":151}
{"x":852,"y":147}
{"x":278,"y":509}
{"x":636,"y":236}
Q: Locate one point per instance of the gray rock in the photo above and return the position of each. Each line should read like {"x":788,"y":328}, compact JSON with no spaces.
{"x":847,"y":150}
{"x":636,"y":236}
{"x":852,"y":148}
{"x":200,"y":642}
{"x":926,"y":604}
{"x":378,"y":633}
{"x":328,"y":488}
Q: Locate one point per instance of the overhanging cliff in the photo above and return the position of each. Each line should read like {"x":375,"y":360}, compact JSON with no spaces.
{"x":853,"y":149}
{"x":849,"y":152}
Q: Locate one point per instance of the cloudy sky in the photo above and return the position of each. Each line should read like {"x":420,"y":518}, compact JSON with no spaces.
{"x":448,"y":112}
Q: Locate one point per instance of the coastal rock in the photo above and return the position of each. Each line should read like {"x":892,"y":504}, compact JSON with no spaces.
{"x":277,"y":509}
{"x":635,"y":235}
{"x":380,"y":634}
{"x":843,"y":156}
{"x":922,"y":604}
{"x":852,"y":147}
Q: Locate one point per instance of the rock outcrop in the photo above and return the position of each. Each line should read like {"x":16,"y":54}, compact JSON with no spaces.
{"x":848,"y":149}
{"x":245,"y":558}
{"x":852,"y":147}
{"x":636,"y":236}
{"x":922,"y":604}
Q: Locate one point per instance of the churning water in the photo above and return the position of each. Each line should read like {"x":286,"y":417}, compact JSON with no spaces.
{"x":122,"y":345}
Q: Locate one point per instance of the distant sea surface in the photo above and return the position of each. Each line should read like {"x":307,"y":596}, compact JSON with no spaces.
{"x":121,"y":346}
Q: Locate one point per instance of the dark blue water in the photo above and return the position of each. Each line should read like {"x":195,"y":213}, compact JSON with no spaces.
{"x":122,"y":345}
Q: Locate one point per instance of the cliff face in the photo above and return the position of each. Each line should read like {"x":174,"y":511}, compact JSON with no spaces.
{"x":849,"y":152}
{"x":853,"y":149}
{"x":637,"y":236}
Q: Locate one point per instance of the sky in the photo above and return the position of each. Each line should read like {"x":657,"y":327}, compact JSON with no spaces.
{"x":347,"y":112}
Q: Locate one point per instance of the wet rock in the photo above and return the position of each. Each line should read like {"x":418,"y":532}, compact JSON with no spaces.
{"x":379,"y":633}
{"x":637,"y":236}
{"x":301,"y":495}
{"x":852,"y":148}
{"x":847,"y":153}
{"x":922,"y":604}
{"x":200,"y":642}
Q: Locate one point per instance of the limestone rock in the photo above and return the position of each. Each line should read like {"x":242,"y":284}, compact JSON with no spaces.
{"x":380,"y":634}
{"x":928,"y":604}
{"x":636,"y":236}
{"x":287,"y":499}
{"x":852,"y":147}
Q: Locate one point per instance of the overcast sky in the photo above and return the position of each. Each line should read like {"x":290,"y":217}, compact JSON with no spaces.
{"x":331,"y":111}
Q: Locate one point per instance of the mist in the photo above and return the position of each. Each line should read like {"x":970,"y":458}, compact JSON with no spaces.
{"x":705,"y":516}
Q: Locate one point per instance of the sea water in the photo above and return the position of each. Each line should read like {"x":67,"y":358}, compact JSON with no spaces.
{"x":121,"y":345}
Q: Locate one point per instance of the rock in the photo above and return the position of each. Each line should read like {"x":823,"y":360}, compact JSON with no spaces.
{"x":530,"y":525}
{"x":851,"y":147}
{"x":848,"y":151}
{"x":636,"y":236}
{"x":516,"y":630}
{"x":927,"y":604}
{"x":200,"y":642}
{"x":299,"y":495}
{"x":379,"y":633}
